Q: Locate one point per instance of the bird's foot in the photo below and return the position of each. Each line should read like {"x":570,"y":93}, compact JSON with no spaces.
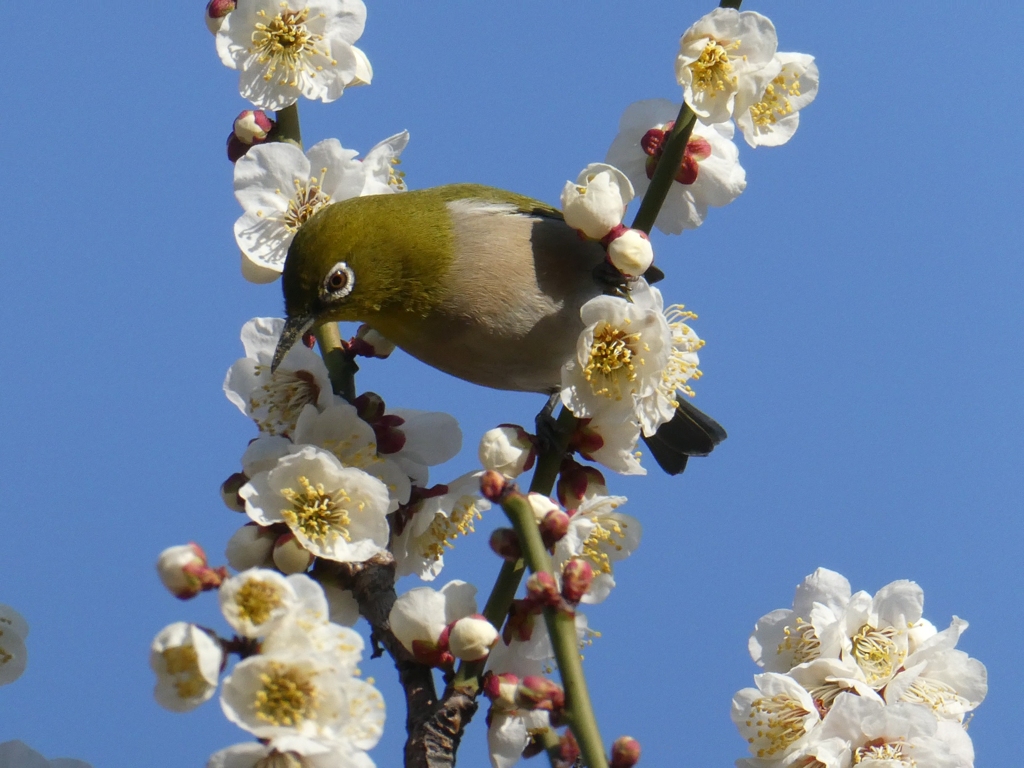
{"x":549,"y":433}
{"x":610,"y":279}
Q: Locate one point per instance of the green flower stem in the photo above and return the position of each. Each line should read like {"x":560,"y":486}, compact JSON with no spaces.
{"x":287,"y":128}
{"x":665,"y":173}
{"x":340,"y":365}
{"x":550,"y":461}
{"x":579,"y":712}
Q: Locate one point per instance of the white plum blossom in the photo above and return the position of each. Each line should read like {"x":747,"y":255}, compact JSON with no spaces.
{"x":596,"y":202}
{"x":873,"y":630}
{"x":610,"y":441}
{"x":339,"y":429}
{"x":937,"y":675}
{"x":710,"y":174}
{"x":256,"y":600}
{"x":284,"y":50}
{"x":620,"y":356}
{"x":288,"y":752}
{"x":776,"y":717}
{"x":336,"y":512}
{"x":18,"y":754}
{"x":280,"y":189}
{"x":364,"y":70}
{"x":510,"y":727}
{"x":785,"y":638}
{"x":419,"y":616}
{"x":507,"y":449}
{"x":251,"y":546}
{"x":275,"y":400}
{"x":13,"y":653}
{"x":601,"y":535}
{"x":381,"y":166}
{"x":431,"y":438}
{"x":717,"y":54}
{"x":187,"y":664}
{"x":769,"y":102}
{"x":302,"y":696}
{"x":434,"y":523}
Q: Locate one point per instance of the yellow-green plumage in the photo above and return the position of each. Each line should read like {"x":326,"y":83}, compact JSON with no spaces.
{"x":478,"y":282}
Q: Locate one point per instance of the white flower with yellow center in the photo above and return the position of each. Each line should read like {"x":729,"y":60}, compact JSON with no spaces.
{"x":187,"y":664}
{"x":257,"y":600}
{"x":431,"y":438}
{"x":785,"y":638}
{"x":601,"y":535}
{"x":435,"y":523}
{"x":620,"y":357}
{"x":13,"y":653}
{"x":874,"y":630}
{"x":420,"y":615}
{"x":335,"y":512}
{"x":595,"y":203}
{"x":826,"y":679}
{"x":769,"y":102}
{"x":280,"y":189}
{"x":381,"y":166}
{"x":941,"y":677}
{"x":285,"y":49}
{"x":610,"y":440}
{"x":717,"y":54}
{"x":275,"y":400}
{"x":710,"y":174}
{"x":776,"y":717}
{"x":288,"y":753}
{"x":339,"y":429}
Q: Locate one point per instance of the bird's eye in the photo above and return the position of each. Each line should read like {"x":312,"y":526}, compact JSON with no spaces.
{"x":339,"y":281}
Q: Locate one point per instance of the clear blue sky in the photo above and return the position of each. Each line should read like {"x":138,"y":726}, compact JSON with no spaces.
{"x":861,"y":302}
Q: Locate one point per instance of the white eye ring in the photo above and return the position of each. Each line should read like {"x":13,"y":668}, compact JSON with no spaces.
{"x":339,"y":282}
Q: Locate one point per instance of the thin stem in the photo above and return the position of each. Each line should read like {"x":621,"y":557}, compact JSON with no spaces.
{"x":549,"y":461}
{"x":579,"y":711}
{"x":340,"y":365}
{"x":287,"y":128}
{"x":665,"y":173}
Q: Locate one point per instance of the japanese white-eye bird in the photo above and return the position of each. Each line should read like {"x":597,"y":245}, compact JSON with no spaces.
{"x":481,"y":283}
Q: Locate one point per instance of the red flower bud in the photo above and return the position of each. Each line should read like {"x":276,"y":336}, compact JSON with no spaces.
{"x":569,"y":748}
{"x":505,"y":543}
{"x":370,"y":406}
{"x":577,"y":576}
{"x":541,"y":589}
{"x":537,"y":692}
{"x":493,"y":486}
{"x":625,"y":752}
{"x":553,"y":527}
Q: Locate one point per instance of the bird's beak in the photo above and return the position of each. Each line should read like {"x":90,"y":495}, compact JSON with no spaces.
{"x":294,"y":328}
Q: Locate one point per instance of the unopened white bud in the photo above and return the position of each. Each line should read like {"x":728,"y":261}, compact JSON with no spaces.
{"x":596,"y":203}
{"x":216,"y":12}
{"x":507,"y":449}
{"x":290,"y":556}
{"x":251,"y":547}
{"x":541,"y":506}
{"x":631,"y":253}
{"x":364,"y":70}
{"x":184,"y":571}
{"x":472,"y":638}
{"x":252,"y":126}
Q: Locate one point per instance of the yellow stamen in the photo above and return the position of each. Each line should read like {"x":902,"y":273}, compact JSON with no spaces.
{"x":779,"y":721}
{"x":288,"y":696}
{"x":775,"y":104}
{"x":183,"y":662}
{"x":712,"y":71}
{"x":443,"y":530}
{"x":892,"y":754}
{"x":802,"y":641}
{"x":613,"y":361}
{"x":275,"y":406}
{"x":257,"y":601}
{"x":318,"y":514}
{"x":877,"y":652}
{"x":286,"y":47}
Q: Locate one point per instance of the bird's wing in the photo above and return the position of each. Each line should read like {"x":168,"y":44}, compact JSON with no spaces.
{"x":522,"y":203}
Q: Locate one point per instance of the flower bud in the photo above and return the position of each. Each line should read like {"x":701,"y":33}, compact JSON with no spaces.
{"x":373,"y":343}
{"x":369,"y":406}
{"x":625,"y":752}
{"x":541,"y":506}
{"x":471,"y":638}
{"x":505,"y":544}
{"x":577,"y":576}
{"x":364,"y":71}
{"x":537,"y":692}
{"x":252,"y":126}
{"x":519,"y":626}
{"x":251,"y":546}
{"x":187,"y":663}
{"x":493,"y":486}
{"x":229,"y":492}
{"x":216,"y":11}
{"x":630,"y":252}
{"x":553,"y":527}
{"x":290,"y":556}
{"x":569,"y":748}
{"x":541,"y":589}
{"x":596,"y":203}
{"x":185,"y":572}
{"x":390,"y":439}
{"x":501,"y":689}
{"x":508,"y":449}
{"x":578,"y":482}
{"x":432,"y":654}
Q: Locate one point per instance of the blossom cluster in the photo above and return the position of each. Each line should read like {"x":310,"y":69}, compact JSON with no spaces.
{"x":732,"y":75}
{"x":852,"y":678}
{"x":296,"y":688}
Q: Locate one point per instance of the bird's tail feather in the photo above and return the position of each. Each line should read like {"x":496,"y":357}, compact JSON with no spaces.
{"x":690,"y":432}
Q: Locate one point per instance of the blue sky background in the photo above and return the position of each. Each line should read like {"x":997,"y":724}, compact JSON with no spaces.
{"x":861,"y":302}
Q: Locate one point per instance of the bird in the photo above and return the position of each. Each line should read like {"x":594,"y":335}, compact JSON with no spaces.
{"x":478,"y":282}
